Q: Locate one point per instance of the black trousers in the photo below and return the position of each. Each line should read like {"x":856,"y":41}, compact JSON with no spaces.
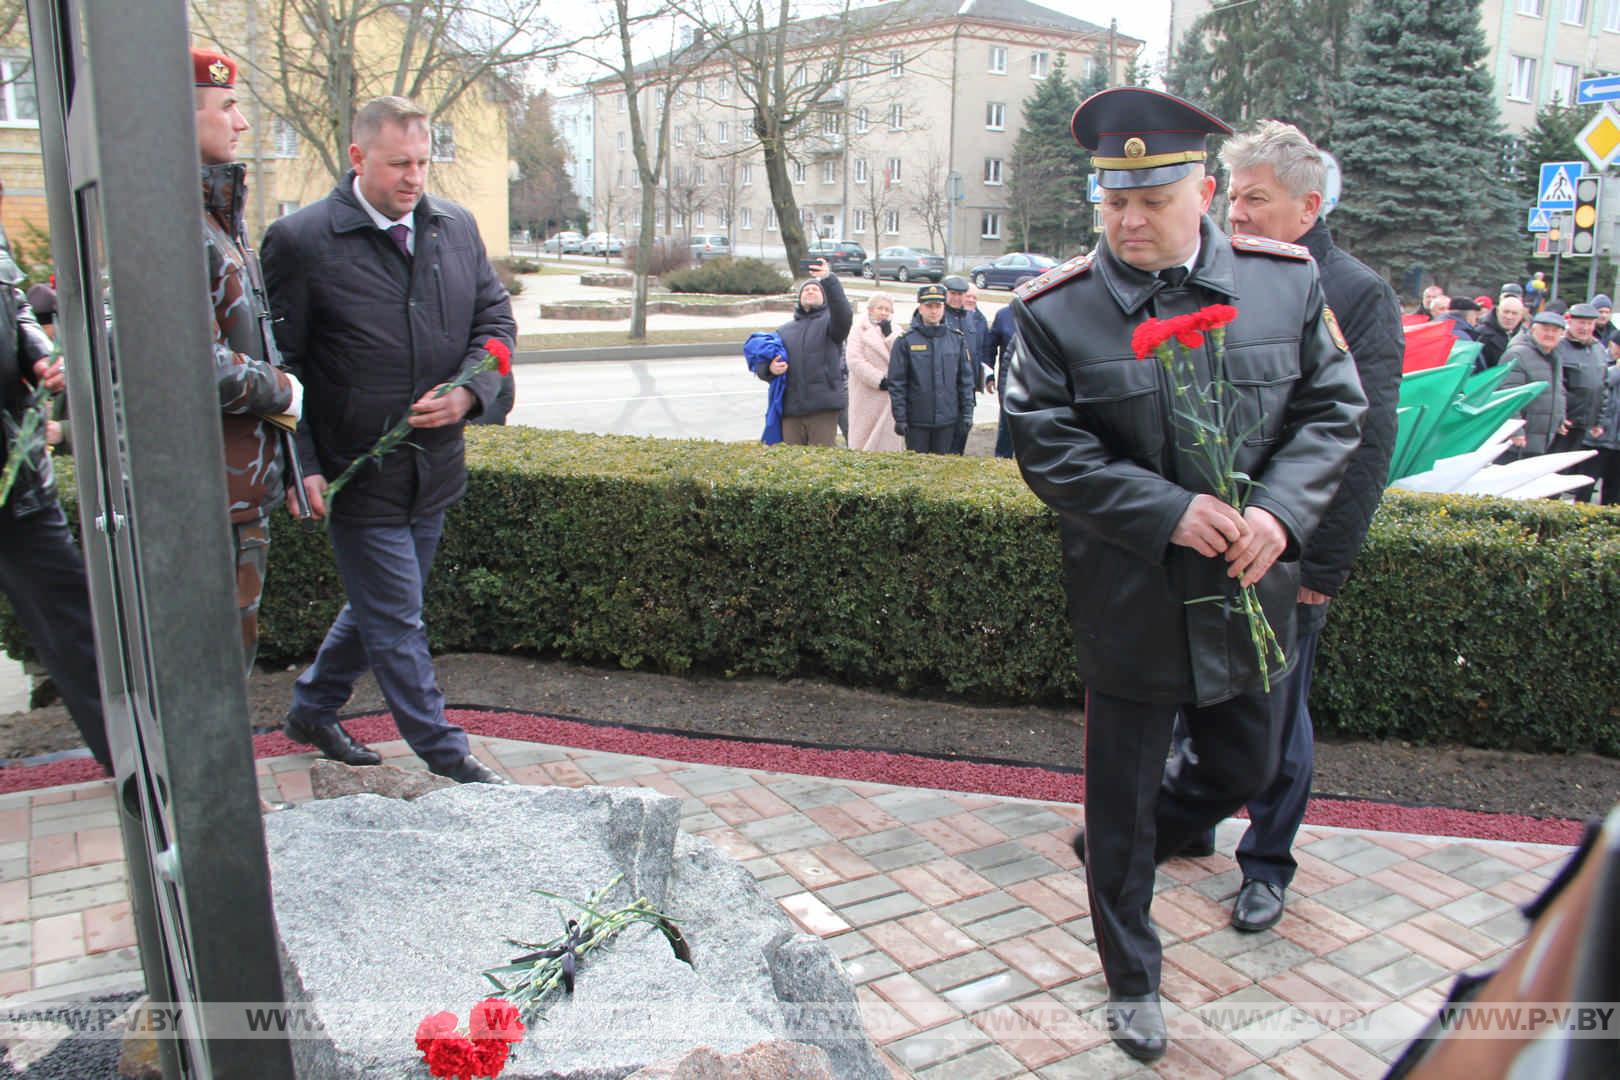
{"x":42,"y":575}
{"x":932,"y":440}
{"x":1138,"y":814}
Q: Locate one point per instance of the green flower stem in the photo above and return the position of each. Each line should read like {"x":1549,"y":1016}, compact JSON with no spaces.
{"x":26,"y":438}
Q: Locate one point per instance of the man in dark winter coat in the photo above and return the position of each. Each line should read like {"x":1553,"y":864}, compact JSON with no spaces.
{"x":1143,"y":532}
{"x":384,"y":295}
{"x":1275,"y":191}
{"x":1585,"y":362}
{"x":41,"y":570}
{"x":930,"y":380}
{"x":1535,"y":357}
{"x":1002,"y":336}
{"x":1496,"y":330}
{"x":817,"y":378}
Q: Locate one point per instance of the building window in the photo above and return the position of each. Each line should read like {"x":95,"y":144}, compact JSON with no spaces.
{"x":698,"y":175}
{"x":995,"y":117}
{"x":722,"y":132}
{"x":859,"y":225}
{"x":897,"y":64}
{"x":770,"y":219}
{"x":829,"y":172}
{"x":863,"y":119}
{"x":891,"y":221}
{"x":658,"y":100}
{"x":444,"y":142}
{"x":680,"y":219}
{"x":863,"y":67}
{"x":1612,"y":23}
{"x":998,"y":59}
{"x":722,"y":90}
{"x":800,"y":173}
{"x":635,"y":217}
{"x":897,"y":117}
{"x":680,"y":134}
{"x":635,"y":178}
{"x":747,"y":175}
{"x":894,"y":171}
{"x":860,"y":170}
{"x":1039,"y":64}
{"x":745,"y":217}
{"x":699,"y":91}
{"x":622,"y":105}
{"x":990,"y":225}
{"x":697,"y":219}
{"x":1531,"y":8}
{"x":1523,"y":85}
{"x":621,"y":142}
{"x":284,"y":135}
{"x":992,"y":170}
{"x":1575,"y":12}
{"x":697,"y":134}
{"x":1563,"y":87}
{"x":725,"y":218}
{"x":829,"y":123}
{"x":285,"y":208}
{"x":801,"y":77}
{"x":618,"y":177}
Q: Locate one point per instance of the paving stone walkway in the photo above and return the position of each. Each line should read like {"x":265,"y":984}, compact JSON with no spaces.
{"x":961,"y":918}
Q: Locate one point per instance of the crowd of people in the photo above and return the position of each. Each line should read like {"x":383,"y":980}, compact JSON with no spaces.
{"x":1573,"y":348}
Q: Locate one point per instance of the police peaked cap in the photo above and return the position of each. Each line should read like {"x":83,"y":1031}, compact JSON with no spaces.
{"x":931,"y":294}
{"x":1142,"y":138}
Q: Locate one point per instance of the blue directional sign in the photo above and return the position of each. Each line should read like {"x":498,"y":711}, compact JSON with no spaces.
{"x":1093,"y":190}
{"x":1540,"y":220}
{"x":1592,"y":91}
{"x":1556,"y":189}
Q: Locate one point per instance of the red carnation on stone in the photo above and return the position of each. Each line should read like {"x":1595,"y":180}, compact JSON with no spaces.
{"x":450,"y":1054}
{"x":495,"y":1018}
{"x":503,"y":356}
{"x":441,"y":1025}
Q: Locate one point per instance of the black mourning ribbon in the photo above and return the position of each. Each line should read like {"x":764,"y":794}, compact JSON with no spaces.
{"x":572,"y":942}
{"x":1174,"y":276}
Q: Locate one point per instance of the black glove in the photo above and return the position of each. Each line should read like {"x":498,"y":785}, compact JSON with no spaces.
{"x":887,"y":327}
{"x":883,"y":383}
{"x":900,"y":430}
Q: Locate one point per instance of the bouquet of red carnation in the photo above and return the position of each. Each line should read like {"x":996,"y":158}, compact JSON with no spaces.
{"x":478,"y":1050}
{"x":497,"y":357}
{"x":1203,"y":409}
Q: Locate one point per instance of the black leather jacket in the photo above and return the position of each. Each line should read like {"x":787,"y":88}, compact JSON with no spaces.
{"x":1096,"y":440}
{"x":21,"y":343}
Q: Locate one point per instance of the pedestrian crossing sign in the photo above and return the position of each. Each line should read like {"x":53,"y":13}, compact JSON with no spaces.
{"x":1556,"y":190}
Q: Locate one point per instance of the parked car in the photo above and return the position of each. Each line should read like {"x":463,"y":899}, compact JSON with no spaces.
{"x":905,"y":264}
{"x":843,"y":256}
{"x":710,"y":246}
{"x":565,"y":242}
{"x":1011,"y":270}
{"x":602,"y":244}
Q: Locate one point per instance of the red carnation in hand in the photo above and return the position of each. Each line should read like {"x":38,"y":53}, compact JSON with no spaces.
{"x":503,"y":356}
{"x":1216,"y":316}
{"x":1184,"y":328}
{"x":1149,"y":336}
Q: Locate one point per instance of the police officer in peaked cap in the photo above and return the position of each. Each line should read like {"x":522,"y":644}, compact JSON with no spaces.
{"x":1097,"y":438}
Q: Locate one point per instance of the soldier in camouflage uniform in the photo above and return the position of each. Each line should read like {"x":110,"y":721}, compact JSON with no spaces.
{"x":251,"y":387}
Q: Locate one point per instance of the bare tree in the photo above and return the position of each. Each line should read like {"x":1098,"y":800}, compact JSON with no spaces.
{"x":932,"y":201}
{"x":318,"y":67}
{"x":688,"y":195}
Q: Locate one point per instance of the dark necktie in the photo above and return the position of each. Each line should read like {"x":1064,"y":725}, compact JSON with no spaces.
{"x":1174,"y":276}
{"x":400,"y":234}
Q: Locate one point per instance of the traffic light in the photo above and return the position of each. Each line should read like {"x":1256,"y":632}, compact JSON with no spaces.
{"x":1583,"y":231}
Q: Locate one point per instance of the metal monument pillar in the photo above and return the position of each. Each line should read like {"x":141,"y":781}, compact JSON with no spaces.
{"x":121,"y":170}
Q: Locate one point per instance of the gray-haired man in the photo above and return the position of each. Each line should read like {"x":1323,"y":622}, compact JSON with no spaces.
{"x":1275,"y":191}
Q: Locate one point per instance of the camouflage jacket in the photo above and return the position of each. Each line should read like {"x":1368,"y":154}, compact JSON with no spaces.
{"x":249,"y":386}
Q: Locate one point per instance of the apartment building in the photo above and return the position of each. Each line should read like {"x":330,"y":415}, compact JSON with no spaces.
{"x":574,"y":117}
{"x":930,"y":101}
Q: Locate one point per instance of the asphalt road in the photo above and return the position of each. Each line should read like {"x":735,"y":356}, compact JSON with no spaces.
{"x":703,"y":398}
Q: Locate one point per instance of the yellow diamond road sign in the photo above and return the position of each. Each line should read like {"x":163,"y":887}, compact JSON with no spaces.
{"x":1600,"y":139}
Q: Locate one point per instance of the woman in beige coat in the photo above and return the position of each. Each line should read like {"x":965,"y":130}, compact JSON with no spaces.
{"x":871,"y":424}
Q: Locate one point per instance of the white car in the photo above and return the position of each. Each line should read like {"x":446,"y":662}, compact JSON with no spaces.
{"x":602,"y":244}
{"x":565,"y":242}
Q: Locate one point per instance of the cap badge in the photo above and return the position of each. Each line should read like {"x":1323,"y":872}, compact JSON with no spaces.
{"x":1135,"y":147}
{"x":220,"y":72}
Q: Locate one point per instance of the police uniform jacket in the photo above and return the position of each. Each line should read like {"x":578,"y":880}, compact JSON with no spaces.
{"x":1095,"y":439}
{"x":930,"y":380}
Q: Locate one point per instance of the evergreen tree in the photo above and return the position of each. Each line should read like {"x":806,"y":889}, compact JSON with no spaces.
{"x":1423,"y":151}
{"x":1046,"y":183}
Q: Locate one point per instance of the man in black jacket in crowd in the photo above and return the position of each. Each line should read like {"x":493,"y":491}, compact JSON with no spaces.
{"x":1496,"y":331}
{"x":1585,"y":361}
{"x":931,"y":379}
{"x":382,"y":295}
{"x":1275,"y":191}
{"x":1144,"y":532}
{"x":817,"y":376}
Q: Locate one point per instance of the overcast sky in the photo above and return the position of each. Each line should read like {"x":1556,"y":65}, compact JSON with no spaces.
{"x":1148,"y":20}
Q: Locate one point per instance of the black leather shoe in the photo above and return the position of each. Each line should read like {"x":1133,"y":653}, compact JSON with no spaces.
{"x":1258,"y":906}
{"x":331,"y":740}
{"x":1136,"y":1024}
{"x":469,"y":770}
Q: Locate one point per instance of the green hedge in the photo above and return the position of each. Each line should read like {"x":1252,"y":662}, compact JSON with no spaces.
{"x":741,"y":277}
{"x":1471,"y":620}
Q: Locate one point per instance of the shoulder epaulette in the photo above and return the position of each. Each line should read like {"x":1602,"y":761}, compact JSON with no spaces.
{"x":1032,"y":288}
{"x":1260,"y":245}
